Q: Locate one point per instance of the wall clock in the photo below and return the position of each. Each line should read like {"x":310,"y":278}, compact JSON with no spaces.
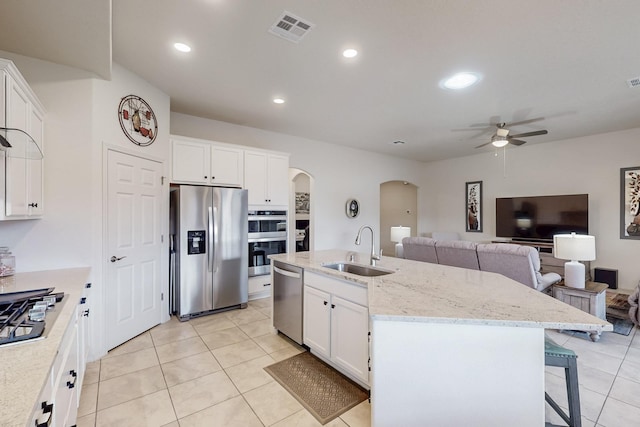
{"x":353,"y":208}
{"x":137,"y":120}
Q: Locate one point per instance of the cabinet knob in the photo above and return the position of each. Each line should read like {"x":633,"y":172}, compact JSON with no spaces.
{"x":205,"y":177}
{"x":213,"y":177}
{"x":33,"y":205}
{"x":325,"y":303}
{"x":333,"y":306}
{"x":86,"y":313}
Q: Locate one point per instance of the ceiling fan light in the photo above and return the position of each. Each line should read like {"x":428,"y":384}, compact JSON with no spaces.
{"x":499,"y":141}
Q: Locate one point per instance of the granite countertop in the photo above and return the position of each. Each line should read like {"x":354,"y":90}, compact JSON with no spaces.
{"x":25,"y":367}
{"x":425,"y":292}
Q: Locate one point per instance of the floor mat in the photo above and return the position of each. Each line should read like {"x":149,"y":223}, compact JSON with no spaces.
{"x":322,"y":390}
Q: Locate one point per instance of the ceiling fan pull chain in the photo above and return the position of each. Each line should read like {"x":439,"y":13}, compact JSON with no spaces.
{"x":504,"y":162}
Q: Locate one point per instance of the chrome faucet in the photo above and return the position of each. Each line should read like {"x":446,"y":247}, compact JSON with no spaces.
{"x":374,"y":257}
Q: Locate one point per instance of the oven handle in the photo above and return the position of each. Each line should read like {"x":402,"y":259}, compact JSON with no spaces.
{"x":267,"y":239}
{"x":267,"y":218}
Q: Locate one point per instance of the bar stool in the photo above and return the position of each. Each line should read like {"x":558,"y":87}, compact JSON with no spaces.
{"x":555,"y":355}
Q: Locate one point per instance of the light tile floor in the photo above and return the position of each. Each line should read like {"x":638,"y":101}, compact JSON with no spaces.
{"x":209,"y":372}
{"x":205,"y":372}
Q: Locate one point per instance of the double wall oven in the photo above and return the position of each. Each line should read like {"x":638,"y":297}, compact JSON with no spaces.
{"x":267,"y":236}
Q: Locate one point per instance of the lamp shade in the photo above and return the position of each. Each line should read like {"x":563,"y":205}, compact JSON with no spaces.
{"x":574,"y":247}
{"x":399,"y":232}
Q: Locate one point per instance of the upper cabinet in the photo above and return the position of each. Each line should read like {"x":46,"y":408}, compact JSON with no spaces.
{"x":267,"y":179}
{"x":196,"y":161}
{"x":264,"y":173}
{"x":21,"y":165}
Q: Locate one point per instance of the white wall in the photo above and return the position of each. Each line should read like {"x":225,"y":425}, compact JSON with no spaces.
{"x":339,"y":174}
{"x":63,"y":237}
{"x":583,"y":165}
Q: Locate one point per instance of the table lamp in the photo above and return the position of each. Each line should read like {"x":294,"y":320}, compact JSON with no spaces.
{"x":574,"y":247}
{"x":397,"y":234}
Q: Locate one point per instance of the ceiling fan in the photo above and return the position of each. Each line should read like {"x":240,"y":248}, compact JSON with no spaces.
{"x":502,"y":137}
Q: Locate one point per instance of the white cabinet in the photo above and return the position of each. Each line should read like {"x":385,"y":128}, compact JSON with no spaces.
{"x":21,"y":178}
{"x":195,"y":161}
{"x":58,"y":401}
{"x":336,"y":324}
{"x":267,"y":179}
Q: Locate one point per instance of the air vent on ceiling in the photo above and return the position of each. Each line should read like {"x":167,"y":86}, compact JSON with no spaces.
{"x":290,"y":27}
{"x":634,"y":82}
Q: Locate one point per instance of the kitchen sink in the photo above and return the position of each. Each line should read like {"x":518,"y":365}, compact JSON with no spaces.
{"x":358,"y":269}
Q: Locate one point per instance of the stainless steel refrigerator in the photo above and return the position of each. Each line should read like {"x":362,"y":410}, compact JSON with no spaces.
{"x":210,"y":266}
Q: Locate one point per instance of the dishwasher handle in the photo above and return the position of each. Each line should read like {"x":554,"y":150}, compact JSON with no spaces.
{"x":286,"y":273}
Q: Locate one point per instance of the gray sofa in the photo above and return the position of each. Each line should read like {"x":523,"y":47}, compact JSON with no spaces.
{"x":518,"y":262}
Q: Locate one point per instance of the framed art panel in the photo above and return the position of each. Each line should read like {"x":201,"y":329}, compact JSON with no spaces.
{"x":630,"y":203}
{"x":473,"y":206}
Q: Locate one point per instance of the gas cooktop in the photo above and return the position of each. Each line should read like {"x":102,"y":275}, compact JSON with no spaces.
{"x":28,"y":315}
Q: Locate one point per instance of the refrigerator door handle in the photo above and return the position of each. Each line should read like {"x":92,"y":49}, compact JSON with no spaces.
{"x":210,"y":236}
{"x":216,"y":230}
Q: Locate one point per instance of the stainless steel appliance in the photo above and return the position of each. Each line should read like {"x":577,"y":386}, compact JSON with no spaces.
{"x":28,"y":315}
{"x":210,"y":261}
{"x":288,"y":300}
{"x":267,"y":236}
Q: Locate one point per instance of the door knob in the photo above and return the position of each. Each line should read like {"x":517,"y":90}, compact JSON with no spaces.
{"x":114,"y":258}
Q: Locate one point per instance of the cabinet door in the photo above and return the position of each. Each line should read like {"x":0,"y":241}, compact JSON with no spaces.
{"x":227,"y":166}
{"x":349,"y":337}
{"x":35,"y":196}
{"x":191,"y":162}
{"x":278,"y":180}
{"x":255,"y":177}
{"x":317,"y":320}
{"x":17,"y":116}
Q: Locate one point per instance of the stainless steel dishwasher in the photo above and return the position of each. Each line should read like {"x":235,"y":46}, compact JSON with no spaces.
{"x":287,"y":300}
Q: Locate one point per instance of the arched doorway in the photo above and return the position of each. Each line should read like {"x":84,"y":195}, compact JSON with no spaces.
{"x":301,"y":235}
{"x":398,"y":206}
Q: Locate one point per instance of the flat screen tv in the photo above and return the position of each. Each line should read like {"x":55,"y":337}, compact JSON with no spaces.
{"x":538,"y":218}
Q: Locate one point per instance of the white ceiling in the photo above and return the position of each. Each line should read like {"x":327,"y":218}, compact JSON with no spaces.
{"x":565,"y":61}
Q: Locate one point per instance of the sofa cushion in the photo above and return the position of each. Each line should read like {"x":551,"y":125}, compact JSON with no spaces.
{"x":457,"y":253}
{"x":513,"y":261}
{"x":420,"y":249}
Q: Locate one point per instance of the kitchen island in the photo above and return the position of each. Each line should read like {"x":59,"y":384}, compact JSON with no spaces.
{"x":452,"y":346}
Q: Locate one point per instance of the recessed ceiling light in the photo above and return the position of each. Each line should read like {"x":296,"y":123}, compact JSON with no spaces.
{"x":461,"y":80}
{"x":182,"y":47}
{"x":350,"y":53}
{"x":278,"y":101}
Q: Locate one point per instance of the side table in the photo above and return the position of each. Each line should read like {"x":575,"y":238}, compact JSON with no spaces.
{"x":591,"y":299}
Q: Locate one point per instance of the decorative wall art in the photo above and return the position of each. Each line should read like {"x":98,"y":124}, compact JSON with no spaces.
{"x":353,"y":208}
{"x":302,"y":203}
{"x":630,"y":203}
{"x":473,"y":206}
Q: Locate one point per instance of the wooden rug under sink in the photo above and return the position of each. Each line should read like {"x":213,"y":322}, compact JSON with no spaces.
{"x":322,"y":390}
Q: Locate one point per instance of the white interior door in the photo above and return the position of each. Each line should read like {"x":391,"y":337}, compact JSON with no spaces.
{"x":133,"y":292}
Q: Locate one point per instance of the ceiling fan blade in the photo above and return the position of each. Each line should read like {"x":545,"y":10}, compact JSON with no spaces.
{"x":524,"y":122}
{"x":482,"y":145}
{"x":517,"y":142}
{"x":533,"y":133}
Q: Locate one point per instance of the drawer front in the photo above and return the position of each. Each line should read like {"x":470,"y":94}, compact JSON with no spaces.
{"x":341,"y":288}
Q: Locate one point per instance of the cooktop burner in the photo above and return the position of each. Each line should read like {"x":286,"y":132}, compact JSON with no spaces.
{"x":28,"y":315}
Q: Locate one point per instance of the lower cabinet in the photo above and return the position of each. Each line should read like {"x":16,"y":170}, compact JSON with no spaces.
{"x":336,"y":324}
{"x":60,"y":397}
